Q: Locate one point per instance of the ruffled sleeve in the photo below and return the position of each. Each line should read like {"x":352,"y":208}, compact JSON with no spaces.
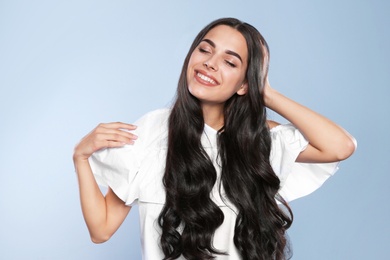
{"x":121,"y":168}
{"x":117,"y":168}
{"x":297,"y":179}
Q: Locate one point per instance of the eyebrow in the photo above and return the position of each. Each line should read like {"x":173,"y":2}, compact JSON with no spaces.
{"x":227,"y":51}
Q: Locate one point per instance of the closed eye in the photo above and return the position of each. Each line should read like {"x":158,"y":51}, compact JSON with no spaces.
{"x":230,"y":64}
{"x":203,"y":50}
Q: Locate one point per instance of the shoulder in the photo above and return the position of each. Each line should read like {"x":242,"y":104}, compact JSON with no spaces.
{"x":152,"y":119}
{"x":161,"y":113}
{"x":271,"y":124}
{"x":152,"y":127}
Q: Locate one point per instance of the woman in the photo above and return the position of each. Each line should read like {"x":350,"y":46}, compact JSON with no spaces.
{"x":211,"y":175}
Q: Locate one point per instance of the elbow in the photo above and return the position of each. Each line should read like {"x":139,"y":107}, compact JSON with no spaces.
{"x":347,"y":149}
{"x":99,"y":239}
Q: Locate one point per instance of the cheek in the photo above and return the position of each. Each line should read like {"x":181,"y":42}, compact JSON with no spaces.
{"x":188,"y":76}
{"x":192,"y":60}
{"x":190,"y":70}
{"x":234,"y":79}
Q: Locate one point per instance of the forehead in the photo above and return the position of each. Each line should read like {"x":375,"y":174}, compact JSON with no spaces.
{"x":228,"y":38}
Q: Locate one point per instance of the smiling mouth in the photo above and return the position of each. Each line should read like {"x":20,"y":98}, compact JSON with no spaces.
{"x":206,"y":78}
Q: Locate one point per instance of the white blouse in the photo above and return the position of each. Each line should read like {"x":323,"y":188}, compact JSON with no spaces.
{"x":135,"y":172}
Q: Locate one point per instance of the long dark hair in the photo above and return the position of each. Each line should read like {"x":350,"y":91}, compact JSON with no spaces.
{"x":189,"y":217}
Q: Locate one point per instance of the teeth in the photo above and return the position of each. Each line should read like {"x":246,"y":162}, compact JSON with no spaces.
{"x":206,"y":78}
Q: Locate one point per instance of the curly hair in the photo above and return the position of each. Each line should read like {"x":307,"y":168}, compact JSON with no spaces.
{"x":189,"y":217}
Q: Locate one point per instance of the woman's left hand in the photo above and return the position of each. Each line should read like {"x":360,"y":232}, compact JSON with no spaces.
{"x":267,"y":93}
{"x":328,"y":142}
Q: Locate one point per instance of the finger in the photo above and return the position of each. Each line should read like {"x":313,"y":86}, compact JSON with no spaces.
{"x":114,"y":137}
{"x":114,"y":132}
{"x":113,"y":144}
{"x":118,"y":125}
{"x":107,"y":143}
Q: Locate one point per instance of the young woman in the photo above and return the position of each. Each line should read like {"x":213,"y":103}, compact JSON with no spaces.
{"x":211,"y":175}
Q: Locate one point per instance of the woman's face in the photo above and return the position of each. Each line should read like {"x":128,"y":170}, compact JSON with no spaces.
{"x":217,"y":66}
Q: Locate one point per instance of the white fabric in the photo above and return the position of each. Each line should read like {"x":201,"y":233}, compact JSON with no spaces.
{"x":134,"y":173}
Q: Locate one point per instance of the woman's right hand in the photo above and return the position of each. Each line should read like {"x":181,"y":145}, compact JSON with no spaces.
{"x":104,"y":136}
{"x":103,"y":214}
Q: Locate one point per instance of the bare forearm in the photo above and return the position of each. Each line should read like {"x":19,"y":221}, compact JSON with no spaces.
{"x":103,"y":214}
{"x":93,"y":203}
{"x":331,"y":141}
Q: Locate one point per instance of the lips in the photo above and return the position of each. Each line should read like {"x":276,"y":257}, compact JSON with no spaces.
{"x":205,"y":79}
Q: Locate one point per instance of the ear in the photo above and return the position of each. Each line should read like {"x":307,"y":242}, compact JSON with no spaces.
{"x":243,"y":89}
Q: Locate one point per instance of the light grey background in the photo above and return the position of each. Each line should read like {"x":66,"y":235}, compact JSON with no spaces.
{"x":65,"y":66}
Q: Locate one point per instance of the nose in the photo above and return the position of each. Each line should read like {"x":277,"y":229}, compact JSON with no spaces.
{"x":210,"y":64}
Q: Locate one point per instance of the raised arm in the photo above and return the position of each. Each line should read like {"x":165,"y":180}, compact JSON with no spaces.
{"x":103,"y":214}
{"x":328,"y":142}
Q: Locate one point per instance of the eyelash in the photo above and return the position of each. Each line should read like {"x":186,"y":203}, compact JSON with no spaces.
{"x":230,"y":64}
{"x":227,"y":62}
{"x":203,"y":50}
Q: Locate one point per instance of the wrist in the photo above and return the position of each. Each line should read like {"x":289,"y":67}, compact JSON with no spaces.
{"x":269,"y":97}
{"x":80,"y":163}
{"x":79,"y":158}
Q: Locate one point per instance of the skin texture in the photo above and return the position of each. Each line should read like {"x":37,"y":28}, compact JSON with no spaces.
{"x":213,"y":58}
{"x":103,"y":214}
{"x":328,"y":142}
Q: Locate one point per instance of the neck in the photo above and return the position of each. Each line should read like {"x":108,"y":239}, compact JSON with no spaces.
{"x":213,"y":116}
